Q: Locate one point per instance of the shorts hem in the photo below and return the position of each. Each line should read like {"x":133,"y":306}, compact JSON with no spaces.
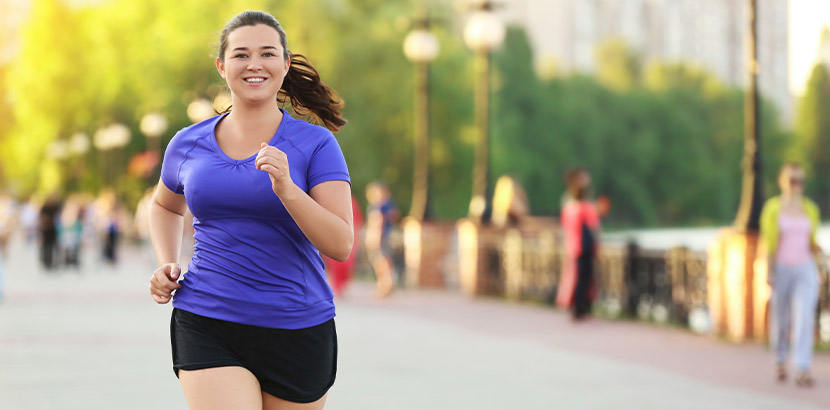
{"x":303,"y":400}
{"x":204,"y":365}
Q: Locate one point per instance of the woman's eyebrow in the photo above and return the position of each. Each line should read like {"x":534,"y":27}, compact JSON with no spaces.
{"x":261,"y":48}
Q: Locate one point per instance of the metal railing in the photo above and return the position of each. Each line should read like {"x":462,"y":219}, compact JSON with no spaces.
{"x":665,"y":286}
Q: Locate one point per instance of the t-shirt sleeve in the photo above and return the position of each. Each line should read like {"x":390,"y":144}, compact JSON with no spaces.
{"x":170,"y":166}
{"x":327,"y":163}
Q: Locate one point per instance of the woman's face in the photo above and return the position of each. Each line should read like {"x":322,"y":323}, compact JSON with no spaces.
{"x":253,"y":64}
{"x":791,"y":180}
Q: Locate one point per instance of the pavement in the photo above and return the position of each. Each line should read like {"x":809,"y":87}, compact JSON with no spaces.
{"x":93,"y":339}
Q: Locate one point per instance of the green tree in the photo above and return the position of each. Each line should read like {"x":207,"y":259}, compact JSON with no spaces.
{"x":813,"y":132}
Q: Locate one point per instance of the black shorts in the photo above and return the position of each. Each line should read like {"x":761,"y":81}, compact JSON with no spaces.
{"x":294,"y":365}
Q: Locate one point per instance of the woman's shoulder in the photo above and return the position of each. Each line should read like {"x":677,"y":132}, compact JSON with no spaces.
{"x":300,"y":129}
{"x":810,"y":206}
{"x":195,"y":131}
{"x":771,"y":204}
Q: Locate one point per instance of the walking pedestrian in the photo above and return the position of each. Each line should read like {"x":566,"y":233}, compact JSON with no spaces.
{"x":788,"y":230}
{"x":253,"y":319}
{"x":48,"y":226}
{"x":380,"y":219}
{"x":581,"y":225}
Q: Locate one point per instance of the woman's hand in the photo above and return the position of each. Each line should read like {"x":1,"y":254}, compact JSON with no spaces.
{"x":273,"y":161}
{"x":163,"y":282}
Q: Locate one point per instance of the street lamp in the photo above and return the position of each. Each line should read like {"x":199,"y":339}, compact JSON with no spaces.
{"x":57,"y":150}
{"x":108,"y":138}
{"x":222,"y":102}
{"x":200,"y":110}
{"x":421,"y":47}
{"x":153,"y":125}
{"x":79,"y":143}
{"x":483,"y":33}
{"x":749,"y":210}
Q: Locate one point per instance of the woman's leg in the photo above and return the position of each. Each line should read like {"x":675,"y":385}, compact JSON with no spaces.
{"x":781,"y":302}
{"x":221,"y":388}
{"x":270,"y":402}
{"x":805,"y":298}
{"x":582,"y":304}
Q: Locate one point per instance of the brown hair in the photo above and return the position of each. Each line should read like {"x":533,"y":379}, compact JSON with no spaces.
{"x":574,"y":185}
{"x":302,"y":85}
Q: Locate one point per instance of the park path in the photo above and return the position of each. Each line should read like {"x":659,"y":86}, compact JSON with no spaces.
{"x":93,"y":339}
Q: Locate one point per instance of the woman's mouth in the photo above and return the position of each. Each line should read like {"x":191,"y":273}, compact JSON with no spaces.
{"x":254,"y":80}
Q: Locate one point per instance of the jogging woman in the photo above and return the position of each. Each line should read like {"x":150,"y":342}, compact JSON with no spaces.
{"x":253,"y":319}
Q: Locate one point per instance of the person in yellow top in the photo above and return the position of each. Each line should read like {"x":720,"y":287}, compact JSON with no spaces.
{"x":788,"y":231}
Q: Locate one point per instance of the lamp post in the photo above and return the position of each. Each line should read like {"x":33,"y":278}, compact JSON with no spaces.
{"x":484,"y":32}
{"x":421,"y":47}
{"x":153,"y":125}
{"x":200,"y":110}
{"x":737,"y":287}
{"x":109,"y":138}
{"x":749,"y":210}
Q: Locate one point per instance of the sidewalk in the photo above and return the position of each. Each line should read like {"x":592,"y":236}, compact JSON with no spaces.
{"x":95,"y":340}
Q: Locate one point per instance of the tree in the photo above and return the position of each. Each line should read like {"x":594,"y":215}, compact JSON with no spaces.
{"x":813,"y":133}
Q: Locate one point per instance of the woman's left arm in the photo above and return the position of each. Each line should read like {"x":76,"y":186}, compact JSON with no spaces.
{"x":324,"y":214}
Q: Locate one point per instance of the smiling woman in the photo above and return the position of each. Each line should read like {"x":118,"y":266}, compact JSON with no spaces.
{"x":300,"y":84}
{"x":253,"y":319}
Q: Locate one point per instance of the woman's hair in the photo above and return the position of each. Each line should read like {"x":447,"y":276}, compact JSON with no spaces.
{"x":573,"y":182}
{"x":302,"y":85}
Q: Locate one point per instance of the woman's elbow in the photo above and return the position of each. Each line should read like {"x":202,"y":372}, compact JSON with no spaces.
{"x":342,"y":253}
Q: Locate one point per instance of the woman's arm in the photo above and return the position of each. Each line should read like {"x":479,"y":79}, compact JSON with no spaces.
{"x":166,"y":226}
{"x":324,"y":216}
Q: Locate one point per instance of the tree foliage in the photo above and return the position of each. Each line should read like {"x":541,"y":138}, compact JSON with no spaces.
{"x":663,"y":141}
{"x":813,"y":134}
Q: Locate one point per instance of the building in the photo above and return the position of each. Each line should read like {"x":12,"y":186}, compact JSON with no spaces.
{"x":711,"y":33}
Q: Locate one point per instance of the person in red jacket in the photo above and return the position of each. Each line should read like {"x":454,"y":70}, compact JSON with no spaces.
{"x":581,"y":228}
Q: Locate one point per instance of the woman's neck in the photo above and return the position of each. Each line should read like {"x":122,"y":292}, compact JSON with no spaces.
{"x":790,"y":198}
{"x":252,"y":120}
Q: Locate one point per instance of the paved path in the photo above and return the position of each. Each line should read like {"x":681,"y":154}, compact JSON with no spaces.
{"x":94,"y":340}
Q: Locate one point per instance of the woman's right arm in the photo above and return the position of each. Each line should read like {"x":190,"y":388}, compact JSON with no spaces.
{"x":166,"y":226}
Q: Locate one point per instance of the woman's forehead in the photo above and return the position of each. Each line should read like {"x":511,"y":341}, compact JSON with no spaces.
{"x":792,"y":170}
{"x":256,"y":36}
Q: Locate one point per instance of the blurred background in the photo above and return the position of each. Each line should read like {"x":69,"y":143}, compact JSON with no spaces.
{"x":470,"y":113}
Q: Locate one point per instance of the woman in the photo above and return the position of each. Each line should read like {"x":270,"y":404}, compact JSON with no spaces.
{"x":580,"y":224}
{"x":252,"y":325}
{"x":788,"y":230}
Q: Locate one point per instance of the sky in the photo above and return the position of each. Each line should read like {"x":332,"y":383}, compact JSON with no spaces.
{"x":807,"y":17}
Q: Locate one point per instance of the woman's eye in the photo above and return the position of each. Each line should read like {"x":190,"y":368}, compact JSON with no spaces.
{"x":268,"y":55}
{"x":240,"y":56}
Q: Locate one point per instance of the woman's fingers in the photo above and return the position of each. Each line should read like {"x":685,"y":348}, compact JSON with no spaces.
{"x":161,"y":299}
{"x":163,"y":282}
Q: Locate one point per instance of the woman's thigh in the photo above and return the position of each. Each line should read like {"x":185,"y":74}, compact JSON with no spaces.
{"x":270,"y":402}
{"x":220,"y":388}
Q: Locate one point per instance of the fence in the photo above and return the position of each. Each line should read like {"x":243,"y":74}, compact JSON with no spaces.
{"x":665,"y":286}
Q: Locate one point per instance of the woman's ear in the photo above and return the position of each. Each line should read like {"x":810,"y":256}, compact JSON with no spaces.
{"x":220,"y":67}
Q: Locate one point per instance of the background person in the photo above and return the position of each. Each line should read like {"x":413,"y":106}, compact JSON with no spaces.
{"x":788,"y":230}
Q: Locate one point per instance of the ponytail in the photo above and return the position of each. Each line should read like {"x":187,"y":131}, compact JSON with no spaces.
{"x":309,"y":96}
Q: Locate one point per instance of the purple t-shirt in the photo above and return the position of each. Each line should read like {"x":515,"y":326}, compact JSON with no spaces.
{"x":251,"y":263}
